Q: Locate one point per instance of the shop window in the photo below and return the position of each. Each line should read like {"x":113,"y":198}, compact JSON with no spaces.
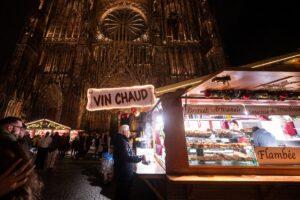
{"x":154,"y":130}
{"x":219,"y":143}
{"x":233,"y":140}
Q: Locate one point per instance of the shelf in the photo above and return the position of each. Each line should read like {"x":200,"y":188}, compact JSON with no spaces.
{"x":222,"y":163}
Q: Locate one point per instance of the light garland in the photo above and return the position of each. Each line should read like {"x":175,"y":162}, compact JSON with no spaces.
{"x":46,"y":124}
{"x":252,"y":94}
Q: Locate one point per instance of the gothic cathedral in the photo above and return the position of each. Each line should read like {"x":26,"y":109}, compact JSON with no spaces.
{"x":68,"y":46}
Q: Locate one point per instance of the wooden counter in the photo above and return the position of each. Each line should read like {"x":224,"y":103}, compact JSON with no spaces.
{"x":191,"y":179}
{"x":153,"y":174}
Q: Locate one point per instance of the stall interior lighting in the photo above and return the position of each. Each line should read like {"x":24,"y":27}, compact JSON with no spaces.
{"x":245,"y":110}
{"x":159,"y":119}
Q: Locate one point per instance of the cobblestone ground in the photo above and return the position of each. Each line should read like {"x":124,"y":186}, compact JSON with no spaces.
{"x":79,"y":180}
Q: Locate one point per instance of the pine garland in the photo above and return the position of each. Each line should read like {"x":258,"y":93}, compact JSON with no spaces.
{"x":252,"y":94}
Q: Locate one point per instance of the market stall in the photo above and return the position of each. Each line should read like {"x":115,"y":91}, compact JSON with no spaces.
{"x":41,"y":126}
{"x":237,"y":126}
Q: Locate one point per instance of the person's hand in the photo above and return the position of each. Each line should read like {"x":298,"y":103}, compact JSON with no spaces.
{"x":14,"y":178}
{"x":144,"y":161}
{"x":143,"y":158}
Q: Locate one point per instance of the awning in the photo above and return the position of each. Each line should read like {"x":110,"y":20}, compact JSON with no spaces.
{"x":181,"y":85}
{"x":274,"y":72}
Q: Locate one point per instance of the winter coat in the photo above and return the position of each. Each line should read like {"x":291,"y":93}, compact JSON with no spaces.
{"x":123,"y":158}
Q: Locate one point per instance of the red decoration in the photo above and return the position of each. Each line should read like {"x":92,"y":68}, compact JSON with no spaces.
{"x":225,"y":125}
{"x":289,"y":128}
{"x":207,"y":93}
{"x":263,"y":117}
{"x":283,"y":96}
{"x":133,"y":110}
{"x":246,"y":96}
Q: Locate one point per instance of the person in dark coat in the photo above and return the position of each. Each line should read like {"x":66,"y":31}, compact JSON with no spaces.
{"x":18,"y":180}
{"x":81,"y":145}
{"x":53,"y":151}
{"x":75,"y":147}
{"x":24,"y":139}
{"x":87,"y":145}
{"x":123,"y":163}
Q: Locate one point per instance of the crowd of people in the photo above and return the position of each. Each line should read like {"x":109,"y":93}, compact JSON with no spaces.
{"x":48,"y":147}
{"x":96,"y":143}
{"x":20,"y":154}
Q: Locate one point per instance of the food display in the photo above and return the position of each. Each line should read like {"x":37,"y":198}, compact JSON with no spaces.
{"x":213,"y":145}
{"x":197,"y":133}
{"x":219,"y":147}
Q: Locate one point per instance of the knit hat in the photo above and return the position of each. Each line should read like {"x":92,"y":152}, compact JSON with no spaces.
{"x":123,"y":128}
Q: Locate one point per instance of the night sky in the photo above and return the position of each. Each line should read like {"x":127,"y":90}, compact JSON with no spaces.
{"x":13,"y":14}
{"x":250,"y":30}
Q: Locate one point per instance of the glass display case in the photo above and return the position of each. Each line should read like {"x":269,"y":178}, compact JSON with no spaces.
{"x":158,"y":133}
{"x":210,"y":141}
{"x":154,"y":133}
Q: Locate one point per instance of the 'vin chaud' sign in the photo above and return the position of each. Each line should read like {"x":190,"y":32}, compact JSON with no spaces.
{"x":277,"y":155}
{"x":124,"y":97}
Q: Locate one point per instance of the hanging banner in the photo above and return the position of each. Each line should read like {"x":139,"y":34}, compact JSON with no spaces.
{"x":240,"y":110}
{"x":118,"y":98}
{"x":277,"y":155}
{"x":215,"y":109}
{"x":273,"y":110}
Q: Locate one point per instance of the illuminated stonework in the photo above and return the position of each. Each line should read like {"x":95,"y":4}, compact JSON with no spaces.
{"x":77,"y":44}
{"x":123,"y":23}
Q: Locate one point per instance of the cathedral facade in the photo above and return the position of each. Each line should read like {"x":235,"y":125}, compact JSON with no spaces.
{"x":68,"y":46}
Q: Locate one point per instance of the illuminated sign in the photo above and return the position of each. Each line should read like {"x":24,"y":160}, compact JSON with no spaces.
{"x":277,"y":155}
{"x":118,"y":98}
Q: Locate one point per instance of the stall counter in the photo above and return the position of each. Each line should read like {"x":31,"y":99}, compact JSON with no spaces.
{"x":233,"y":179}
{"x":152,"y":173}
{"x":153,"y":168}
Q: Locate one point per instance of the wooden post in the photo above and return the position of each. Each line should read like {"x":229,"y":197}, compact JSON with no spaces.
{"x":175,"y":144}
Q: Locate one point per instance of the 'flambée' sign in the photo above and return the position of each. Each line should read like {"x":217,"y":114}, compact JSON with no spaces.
{"x":124,"y":97}
{"x":277,"y":155}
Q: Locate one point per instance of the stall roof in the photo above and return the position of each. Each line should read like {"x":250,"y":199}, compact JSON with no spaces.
{"x":281,"y":71}
{"x":249,"y":80}
{"x":46,"y":124}
{"x":287,"y":62}
{"x":181,"y":85}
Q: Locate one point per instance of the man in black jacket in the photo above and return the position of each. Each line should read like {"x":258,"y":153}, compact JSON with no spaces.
{"x":123,"y":163}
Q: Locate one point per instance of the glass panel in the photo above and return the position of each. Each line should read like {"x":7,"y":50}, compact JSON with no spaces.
{"x":212,"y":140}
{"x":230,"y":140}
{"x":158,"y":133}
{"x":154,"y":133}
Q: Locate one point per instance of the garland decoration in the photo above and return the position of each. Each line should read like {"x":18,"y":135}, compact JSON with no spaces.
{"x":252,"y":94}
